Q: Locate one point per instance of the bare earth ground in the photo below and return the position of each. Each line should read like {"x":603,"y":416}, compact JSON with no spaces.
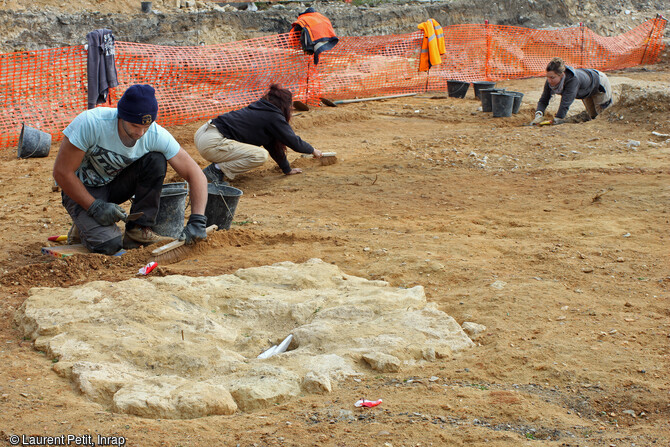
{"x":569,"y":223}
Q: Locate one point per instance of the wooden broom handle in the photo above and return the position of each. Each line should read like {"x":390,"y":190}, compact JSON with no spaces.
{"x":348,"y":101}
{"x":174,"y":244}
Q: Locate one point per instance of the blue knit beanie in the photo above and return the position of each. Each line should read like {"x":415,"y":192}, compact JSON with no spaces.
{"x":138,"y":104}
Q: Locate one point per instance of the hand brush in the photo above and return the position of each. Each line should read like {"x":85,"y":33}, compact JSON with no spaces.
{"x":176,"y":251}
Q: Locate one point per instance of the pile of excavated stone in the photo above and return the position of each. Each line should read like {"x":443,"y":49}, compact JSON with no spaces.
{"x":49,"y":23}
{"x":184,"y":347}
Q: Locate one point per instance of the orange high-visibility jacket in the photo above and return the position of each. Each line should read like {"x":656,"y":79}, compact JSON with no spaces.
{"x":432,"y":45}
{"x":317,"y":33}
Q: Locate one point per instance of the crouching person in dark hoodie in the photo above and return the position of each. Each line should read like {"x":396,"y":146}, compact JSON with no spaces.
{"x":241,"y":140}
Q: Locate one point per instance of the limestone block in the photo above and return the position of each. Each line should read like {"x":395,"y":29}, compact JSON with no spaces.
{"x":265,"y":387}
{"x":473,"y":329}
{"x":100,"y":381}
{"x":336,"y":367}
{"x":429,"y":354}
{"x":173,"y":397}
{"x":316,"y":382}
{"x":382,"y":362}
{"x":120,"y":341}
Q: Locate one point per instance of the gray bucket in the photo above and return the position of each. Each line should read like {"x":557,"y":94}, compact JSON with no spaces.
{"x":33,"y":143}
{"x":485,"y":97}
{"x":457,"y":89}
{"x":171,"y":209}
{"x":502,"y":104}
{"x":518,"y":96}
{"x":221,"y":204}
{"x":146,"y":6}
{"x":480,"y":85}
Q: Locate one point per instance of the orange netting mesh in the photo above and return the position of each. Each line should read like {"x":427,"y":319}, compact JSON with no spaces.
{"x":496,"y":52}
{"x":46,"y":89}
{"x":194,"y":83}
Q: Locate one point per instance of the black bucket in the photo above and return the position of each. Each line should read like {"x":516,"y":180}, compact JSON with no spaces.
{"x":502,"y":104}
{"x":518,"y":96}
{"x":221,"y":204}
{"x":170,"y":217}
{"x":457,"y":89}
{"x":485,"y":97}
{"x":146,"y":6}
{"x":479,"y":85}
{"x":33,"y":143}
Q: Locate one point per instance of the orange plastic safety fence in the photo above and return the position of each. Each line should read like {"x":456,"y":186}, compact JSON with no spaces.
{"x":369,"y":66}
{"x":496,"y":52}
{"x":194,"y":83}
{"x":46,"y":89}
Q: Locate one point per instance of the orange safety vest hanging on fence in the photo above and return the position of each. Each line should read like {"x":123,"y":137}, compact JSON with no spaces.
{"x":316,"y":33}
{"x":432,"y":45}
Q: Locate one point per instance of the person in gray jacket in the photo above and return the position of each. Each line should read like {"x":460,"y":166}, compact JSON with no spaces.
{"x":587,"y":84}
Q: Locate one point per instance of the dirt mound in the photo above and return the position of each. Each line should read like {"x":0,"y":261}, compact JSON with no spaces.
{"x":646,"y":106}
{"x":82,"y":268}
{"x":328,"y":117}
{"x":49,"y":23}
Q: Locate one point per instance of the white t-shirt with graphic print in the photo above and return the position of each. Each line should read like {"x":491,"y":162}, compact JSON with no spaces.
{"x":95,"y":132}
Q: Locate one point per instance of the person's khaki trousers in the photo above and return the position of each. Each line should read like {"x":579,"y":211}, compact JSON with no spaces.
{"x":232,"y":157}
{"x":595,"y":104}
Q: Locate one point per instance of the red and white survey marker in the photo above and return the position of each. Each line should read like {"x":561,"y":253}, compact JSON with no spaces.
{"x":367,"y":403}
{"x":147,"y":268}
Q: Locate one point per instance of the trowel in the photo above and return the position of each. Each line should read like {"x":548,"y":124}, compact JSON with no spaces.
{"x":133,"y":216}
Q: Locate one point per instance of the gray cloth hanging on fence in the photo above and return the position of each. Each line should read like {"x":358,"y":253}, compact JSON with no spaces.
{"x":100,"y":65}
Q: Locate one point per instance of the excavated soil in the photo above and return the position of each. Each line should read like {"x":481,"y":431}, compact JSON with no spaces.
{"x":43,"y":24}
{"x":554,"y":238}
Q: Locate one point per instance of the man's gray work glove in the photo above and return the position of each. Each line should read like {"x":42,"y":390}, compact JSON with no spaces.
{"x":538,"y":118}
{"x":195,"y":229}
{"x":106,"y":213}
